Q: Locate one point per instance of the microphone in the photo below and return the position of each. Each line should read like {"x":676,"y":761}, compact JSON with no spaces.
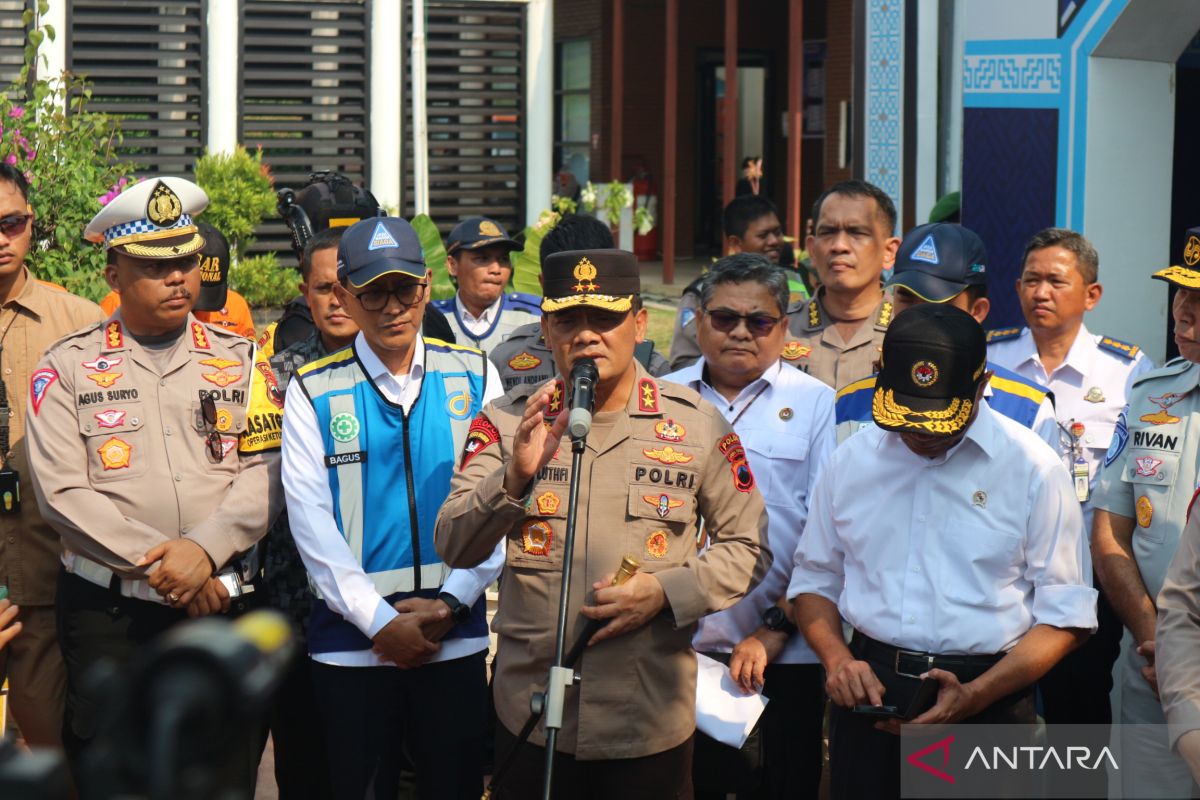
{"x":583,"y":394}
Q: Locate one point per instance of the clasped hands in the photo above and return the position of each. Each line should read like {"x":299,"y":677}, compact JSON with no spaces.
{"x":184,"y":577}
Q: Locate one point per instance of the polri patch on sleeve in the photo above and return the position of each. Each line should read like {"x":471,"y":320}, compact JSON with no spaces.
{"x":731,"y":447}
{"x":39,"y":382}
{"x":482,"y":434}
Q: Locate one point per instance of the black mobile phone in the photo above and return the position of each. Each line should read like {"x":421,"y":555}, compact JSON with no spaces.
{"x":878,"y":712}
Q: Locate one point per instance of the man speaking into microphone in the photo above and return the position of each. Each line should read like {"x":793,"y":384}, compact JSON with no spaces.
{"x":657,"y":459}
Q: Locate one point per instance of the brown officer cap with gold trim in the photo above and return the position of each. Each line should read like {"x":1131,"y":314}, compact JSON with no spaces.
{"x":151,"y":219}
{"x":933,"y":358}
{"x":605,"y":279}
{"x":1185,"y":273}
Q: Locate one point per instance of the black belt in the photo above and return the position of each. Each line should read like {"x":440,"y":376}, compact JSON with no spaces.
{"x":914,"y":663}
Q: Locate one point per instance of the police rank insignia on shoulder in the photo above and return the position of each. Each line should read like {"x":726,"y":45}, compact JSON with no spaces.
{"x":1125,"y":350}
{"x":648,"y":396}
{"x":200,"y":336}
{"x":482,"y":433}
{"x":556,"y":400}
{"x":113,"y":337}
{"x":524,"y":361}
{"x":731,"y":447}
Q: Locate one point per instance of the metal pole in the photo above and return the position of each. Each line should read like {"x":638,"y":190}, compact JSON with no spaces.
{"x":670,"y":104}
{"x":795,"y":119}
{"x":420,"y":122}
{"x":730,"y":122}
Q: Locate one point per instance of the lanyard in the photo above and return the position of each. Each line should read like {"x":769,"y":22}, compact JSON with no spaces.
{"x":746,"y":407}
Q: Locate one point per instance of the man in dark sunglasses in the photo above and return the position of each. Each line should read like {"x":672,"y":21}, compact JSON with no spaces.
{"x":141,"y":454}
{"x":398,"y":640}
{"x":785,"y":420}
{"x":33,"y":316}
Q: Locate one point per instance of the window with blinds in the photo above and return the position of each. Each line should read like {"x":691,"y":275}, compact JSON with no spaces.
{"x":155,"y":87}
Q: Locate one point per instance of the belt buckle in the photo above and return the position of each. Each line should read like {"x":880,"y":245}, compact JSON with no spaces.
{"x":926,"y":656}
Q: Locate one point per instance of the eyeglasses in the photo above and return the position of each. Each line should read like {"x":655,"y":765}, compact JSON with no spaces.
{"x":15,"y":224}
{"x":208,"y":409}
{"x":727,"y":322}
{"x":407,"y":295}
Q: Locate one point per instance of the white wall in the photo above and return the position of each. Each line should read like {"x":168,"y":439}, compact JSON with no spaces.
{"x":1127,"y":200}
{"x":1009,"y":19}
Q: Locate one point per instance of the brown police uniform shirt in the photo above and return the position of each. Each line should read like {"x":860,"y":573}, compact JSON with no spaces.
{"x":814,"y":345}
{"x":118,"y":446}
{"x":36,"y":318}
{"x":649,"y":473}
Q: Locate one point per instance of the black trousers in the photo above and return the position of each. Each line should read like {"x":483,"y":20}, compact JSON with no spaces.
{"x":661,"y":776}
{"x":1076,"y":690}
{"x":785,"y":748}
{"x":301,"y":755}
{"x":97,"y":624}
{"x":437,"y":714}
{"x":865,"y":762}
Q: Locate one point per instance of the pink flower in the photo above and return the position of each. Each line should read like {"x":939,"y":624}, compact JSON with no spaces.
{"x":30,"y":155}
{"x":16,"y":112}
{"x":11,"y":159}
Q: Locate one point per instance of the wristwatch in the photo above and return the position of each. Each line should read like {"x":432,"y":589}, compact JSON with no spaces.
{"x":459,"y":612}
{"x":775,"y":620}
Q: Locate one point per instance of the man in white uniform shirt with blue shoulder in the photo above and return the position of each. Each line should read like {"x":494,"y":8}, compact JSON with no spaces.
{"x":785,"y":420}
{"x":949,"y":538}
{"x":1090,"y":376}
{"x":371,"y":433}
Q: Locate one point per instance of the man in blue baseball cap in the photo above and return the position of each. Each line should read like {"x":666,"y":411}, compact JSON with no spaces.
{"x":397,"y":638}
{"x":947,"y":263}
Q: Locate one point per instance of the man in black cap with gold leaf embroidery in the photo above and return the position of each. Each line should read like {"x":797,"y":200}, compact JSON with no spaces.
{"x":965,"y":564}
{"x":658,"y":459}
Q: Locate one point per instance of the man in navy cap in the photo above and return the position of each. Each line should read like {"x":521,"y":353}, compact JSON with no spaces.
{"x":481,"y":314}
{"x":947,"y":263}
{"x":397,"y":638}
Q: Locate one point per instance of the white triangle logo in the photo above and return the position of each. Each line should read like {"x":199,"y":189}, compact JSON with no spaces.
{"x":927,"y":251}
{"x":381,"y":238}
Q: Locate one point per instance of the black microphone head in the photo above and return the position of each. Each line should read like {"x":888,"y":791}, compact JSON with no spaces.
{"x":585,"y":368}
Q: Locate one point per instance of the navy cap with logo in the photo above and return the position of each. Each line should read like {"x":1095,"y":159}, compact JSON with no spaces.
{"x":933,"y":359}
{"x":214,"y":269}
{"x":938,"y":261}
{"x":1185,"y":272}
{"x":376,"y":247}
{"x":475,"y":232}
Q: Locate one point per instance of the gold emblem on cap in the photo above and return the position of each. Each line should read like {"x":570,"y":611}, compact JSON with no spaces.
{"x":488,"y":228}
{"x":924,"y":374}
{"x":585,"y":274}
{"x":163,"y":208}
{"x":1191,"y":253}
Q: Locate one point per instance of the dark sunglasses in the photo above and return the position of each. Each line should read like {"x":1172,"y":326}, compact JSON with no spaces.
{"x":208,"y":409}
{"x":727,"y":322}
{"x":15,"y":224}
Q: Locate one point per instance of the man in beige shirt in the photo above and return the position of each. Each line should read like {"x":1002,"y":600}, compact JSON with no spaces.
{"x":836,"y":336}
{"x":142,"y":452}
{"x":658,"y":459}
{"x":32,"y":316}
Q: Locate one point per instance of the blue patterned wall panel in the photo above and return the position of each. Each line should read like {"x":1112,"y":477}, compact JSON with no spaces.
{"x":1010,"y":164}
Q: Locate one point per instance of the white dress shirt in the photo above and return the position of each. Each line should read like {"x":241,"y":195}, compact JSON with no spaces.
{"x":962,"y":553}
{"x":788,"y":433}
{"x":1086,"y":369}
{"x":480,"y":325}
{"x":331,"y":565}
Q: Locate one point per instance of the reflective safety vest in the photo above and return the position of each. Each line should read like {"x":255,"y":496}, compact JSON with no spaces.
{"x":389,"y":473}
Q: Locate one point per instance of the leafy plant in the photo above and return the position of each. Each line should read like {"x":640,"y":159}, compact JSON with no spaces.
{"x":617,"y":197}
{"x":435,"y":256}
{"x":262,"y":281}
{"x":643,"y":220}
{"x":67,"y":153}
{"x":527,"y":262}
{"x":564,"y":205}
{"x":241,"y":192}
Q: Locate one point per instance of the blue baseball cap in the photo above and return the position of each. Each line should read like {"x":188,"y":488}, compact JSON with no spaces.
{"x":938,"y":261}
{"x":376,"y":247}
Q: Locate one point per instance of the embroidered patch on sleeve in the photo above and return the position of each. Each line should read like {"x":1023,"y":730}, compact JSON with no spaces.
{"x":482,"y":434}
{"x":39,"y":382}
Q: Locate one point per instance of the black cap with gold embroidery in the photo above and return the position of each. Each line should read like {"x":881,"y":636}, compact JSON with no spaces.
{"x":475,"y":232}
{"x":934,"y":356}
{"x":214,"y":269}
{"x":1186,"y":271}
{"x":605,"y":279}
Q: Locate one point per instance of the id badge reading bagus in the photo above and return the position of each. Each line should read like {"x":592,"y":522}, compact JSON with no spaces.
{"x":10,"y":492}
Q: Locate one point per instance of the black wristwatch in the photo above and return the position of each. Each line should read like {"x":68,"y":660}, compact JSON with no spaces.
{"x":459,"y":612}
{"x":775,"y":620}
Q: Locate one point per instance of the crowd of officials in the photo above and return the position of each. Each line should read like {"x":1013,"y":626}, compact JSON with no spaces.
{"x":854,"y":497}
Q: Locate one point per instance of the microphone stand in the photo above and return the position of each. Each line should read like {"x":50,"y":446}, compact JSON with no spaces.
{"x":562,"y":676}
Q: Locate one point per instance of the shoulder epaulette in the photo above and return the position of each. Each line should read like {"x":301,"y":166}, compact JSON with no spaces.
{"x":529,"y":302}
{"x":885,"y":314}
{"x":84,"y":331}
{"x":677,"y":391}
{"x":1003,"y":334}
{"x":1176,"y":366}
{"x":443,"y":305}
{"x":1125,"y":350}
{"x":450,"y":347}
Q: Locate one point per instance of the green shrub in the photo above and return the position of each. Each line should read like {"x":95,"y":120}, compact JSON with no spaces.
{"x":262,"y":281}
{"x":240,"y":192}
